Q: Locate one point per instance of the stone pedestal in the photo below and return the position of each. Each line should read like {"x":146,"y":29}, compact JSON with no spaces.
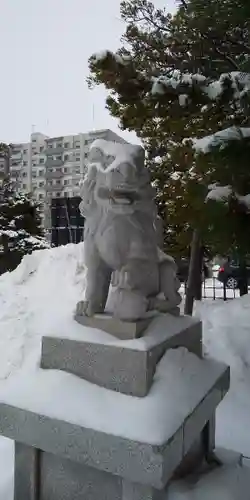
{"x":75,"y":440}
{"x":124,"y":367}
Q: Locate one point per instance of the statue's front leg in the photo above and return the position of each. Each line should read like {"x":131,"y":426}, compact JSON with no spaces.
{"x":98,"y":279}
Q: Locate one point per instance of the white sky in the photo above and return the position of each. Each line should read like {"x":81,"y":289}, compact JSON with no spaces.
{"x":44,"y":51}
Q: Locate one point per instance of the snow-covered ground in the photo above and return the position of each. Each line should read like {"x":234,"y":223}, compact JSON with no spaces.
{"x":39,"y":297}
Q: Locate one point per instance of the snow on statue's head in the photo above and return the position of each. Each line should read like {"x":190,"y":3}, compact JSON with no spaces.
{"x":116,"y":179}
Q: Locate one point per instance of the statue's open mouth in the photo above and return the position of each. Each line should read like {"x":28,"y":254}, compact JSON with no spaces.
{"x":119,"y":196}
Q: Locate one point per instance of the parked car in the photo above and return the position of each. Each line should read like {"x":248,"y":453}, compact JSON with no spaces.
{"x":229,"y":273}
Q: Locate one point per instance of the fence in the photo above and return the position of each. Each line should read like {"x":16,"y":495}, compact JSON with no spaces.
{"x":214,"y":289}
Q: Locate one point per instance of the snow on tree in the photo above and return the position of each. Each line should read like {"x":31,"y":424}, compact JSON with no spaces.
{"x":174,"y":78}
{"x":20,"y":227}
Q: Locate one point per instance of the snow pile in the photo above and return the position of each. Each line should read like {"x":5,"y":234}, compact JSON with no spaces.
{"x":225,"y":483}
{"x":226,"y":336}
{"x":38,"y":298}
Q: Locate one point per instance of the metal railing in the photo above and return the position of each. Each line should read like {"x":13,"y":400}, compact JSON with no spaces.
{"x":213,"y":289}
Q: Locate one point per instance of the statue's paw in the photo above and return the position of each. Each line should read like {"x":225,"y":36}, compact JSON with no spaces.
{"x":157,"y":304}
{"x":164,"y":305}
{"x":83,"y":308}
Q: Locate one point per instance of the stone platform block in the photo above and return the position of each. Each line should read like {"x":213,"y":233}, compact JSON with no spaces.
{"x":123,"y":330}
{"x":27,"y":417}
{"x":129,"y":366}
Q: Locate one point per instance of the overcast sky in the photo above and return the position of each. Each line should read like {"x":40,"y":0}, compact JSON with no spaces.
{"x":44,"y":50}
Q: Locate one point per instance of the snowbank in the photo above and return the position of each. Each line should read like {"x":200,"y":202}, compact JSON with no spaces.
{"x":225,"y":483}
{"x":37,"y":298}
{"x":226,"y":336}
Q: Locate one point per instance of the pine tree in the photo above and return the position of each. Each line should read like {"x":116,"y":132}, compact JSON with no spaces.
{"x":176,"y":78}
{"x":20,"y":227}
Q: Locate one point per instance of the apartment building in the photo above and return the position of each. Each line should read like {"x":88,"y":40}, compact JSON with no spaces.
{"x":52,"y":167}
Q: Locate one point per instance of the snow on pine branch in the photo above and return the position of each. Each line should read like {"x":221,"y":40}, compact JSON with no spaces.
{"x":174,"y":81}
{"x":223,"y":193}
{"x":220,"y":138}
{"x":219,"y":193}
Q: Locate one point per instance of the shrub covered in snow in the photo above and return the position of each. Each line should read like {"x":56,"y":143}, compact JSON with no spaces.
{"x":20,"y":227}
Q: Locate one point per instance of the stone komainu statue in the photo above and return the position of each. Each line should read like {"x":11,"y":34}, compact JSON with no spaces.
{"x":120,"y":236}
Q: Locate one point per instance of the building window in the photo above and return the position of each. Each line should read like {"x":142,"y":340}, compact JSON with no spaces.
{"x":66,"y":182}
{"x":65,"y":170}
{"x":49,"y":157}
{"x":41,"y":160}
{"x":77,"y":146}
{"x":58,"y":182}
{"x":34,"y":174}
{"x":59,"y":145}
{"x":25,"y":163}
{"x":77,"y":170}
{"x":40,"y":196}
{"x":66,"y":157}
{"x":41,"y":148}
{"x":50,"y":183}
{"x":41,"y":184}
{"x":58,"y":157}
{"x":77,"y":158}
{"x":66,"y":145}
{"x":58,"y":194}
{"x":65,"y":194}
{"x":24,"y":174}
{"x":24,"y":186}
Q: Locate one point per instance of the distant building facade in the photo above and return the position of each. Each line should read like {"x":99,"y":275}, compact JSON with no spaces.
{"x":52,"y":167}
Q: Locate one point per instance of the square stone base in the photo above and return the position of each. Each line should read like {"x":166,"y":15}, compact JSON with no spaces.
{"x":134,"y":461}
{"x":41,"y":475}
{"x":117,"y":367}
{"x":45,"y":476}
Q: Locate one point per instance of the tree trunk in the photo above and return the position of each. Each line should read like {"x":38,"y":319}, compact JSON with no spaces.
{"x":194,"y":271}
{"x":243,"y":280}
{"x":198,"y":274}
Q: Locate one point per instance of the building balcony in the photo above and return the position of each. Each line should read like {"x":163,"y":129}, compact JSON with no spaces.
{"x":57,"y":174}
{"x":53,"y":151}
{"x":14,"y":171}
{"x":16,"y":156}
{"x":55,"y":187}
{"x":53,"y":163}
